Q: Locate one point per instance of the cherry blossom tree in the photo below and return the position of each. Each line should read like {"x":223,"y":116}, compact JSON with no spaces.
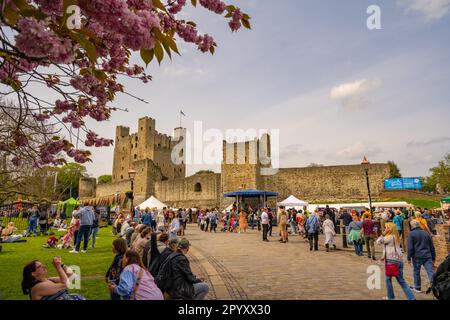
{"x":80,"y":50}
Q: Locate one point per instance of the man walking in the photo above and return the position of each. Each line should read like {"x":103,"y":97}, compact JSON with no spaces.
{"x":313,"y":227}
{"x":265,"y":224}
{"x":421,"y":252}
{"x":369,"y":236}
{"x":87,"y":217}
{"x":346,"y":220}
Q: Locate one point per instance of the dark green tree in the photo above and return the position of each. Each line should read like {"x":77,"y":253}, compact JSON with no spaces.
{"x":68,"y":180}
{"x":106,"y":178}
{"x":440,"y":175}
{"x":394,"y":171}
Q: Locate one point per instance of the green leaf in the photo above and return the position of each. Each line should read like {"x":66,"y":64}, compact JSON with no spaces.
{"x":159,"y":5}
{"x":212,"y":49}
{"x":246,"y":24}
{"x":100,"y":75}
{"x":231,"y":9}
{"x":159,"y":53}
{"x":85,"y":71}
{"x":229,"y":15}
{"x":192,"y":23}
{"x":172,"y":44}
{"x":245,"y":17}
{"x":194,"y":2}
{"x":90,"y":49}
{"x":11,"y":15}
{"x":22,"y":4}
{"x":166,"y":47}
{"x":147,"y":55}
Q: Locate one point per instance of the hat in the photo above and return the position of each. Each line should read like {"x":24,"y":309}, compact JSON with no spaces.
{"x":183,"y":244}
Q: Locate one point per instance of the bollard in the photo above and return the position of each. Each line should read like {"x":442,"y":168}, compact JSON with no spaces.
{"x":344,"y":235}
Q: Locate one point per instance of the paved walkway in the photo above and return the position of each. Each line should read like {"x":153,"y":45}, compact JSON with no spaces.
{"x":241,"y":266}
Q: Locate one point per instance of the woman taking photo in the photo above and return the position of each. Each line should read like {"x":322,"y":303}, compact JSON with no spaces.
{"x":36,"y":284}
{"x":392,"y":255}
{"x":136,"y":283}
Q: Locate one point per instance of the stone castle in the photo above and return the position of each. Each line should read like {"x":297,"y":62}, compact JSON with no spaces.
{"x":149,"y":153}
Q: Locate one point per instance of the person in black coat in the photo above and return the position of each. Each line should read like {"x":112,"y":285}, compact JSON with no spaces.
{"x":184,"y":285}
{"x":158,"y":258}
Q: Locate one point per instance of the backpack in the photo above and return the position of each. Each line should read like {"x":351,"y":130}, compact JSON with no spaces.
{"x":164,"y":278}
{"x":441,"y":281}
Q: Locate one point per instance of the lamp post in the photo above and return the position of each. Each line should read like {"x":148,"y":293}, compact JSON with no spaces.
{"x":366,"y":165}
{"x":131,"y":175}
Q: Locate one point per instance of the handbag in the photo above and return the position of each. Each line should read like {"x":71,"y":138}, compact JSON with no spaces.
{"x":391,"y":268}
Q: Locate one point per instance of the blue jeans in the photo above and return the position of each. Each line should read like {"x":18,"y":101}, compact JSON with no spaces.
{"x":83,"y":233}
{"x":401,"y":281}
{"x":32,"y":226}
{"x":358,"y":247}
{"x":201,"y":289}
{"x":428,"y":265}
{"x":93,"y":234}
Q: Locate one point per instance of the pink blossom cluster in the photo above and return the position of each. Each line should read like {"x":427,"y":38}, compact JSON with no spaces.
{"x":93,"y":139}
{"x":216,"y":6}
{"x":176,"y":6}
{"x":74,"y":119}
{"x":36,"y":40}
{"x":50,"y":7}
{"x":50,"y":150}
{"x":130,"y":27}
{"x":20,"y":139}
{"x":140,"y":4}
{"x":63,"y":106}
{"x":92,"y":86}
{"x":10,"y":69}
{"x":42,"y":116}
{"x":189,"y":34}
{"x":235,"y":23}
{"x":167,"y":21}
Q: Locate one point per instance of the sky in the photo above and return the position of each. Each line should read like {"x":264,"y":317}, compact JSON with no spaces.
{"x":334,"y":89}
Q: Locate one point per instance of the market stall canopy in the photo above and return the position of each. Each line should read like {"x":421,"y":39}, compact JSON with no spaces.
{"x":151,"y":203}
{"x":446,"y":199}
{"x":292,"y":201}
{"x":251,"y":194}
{"x":392,"y":205}
{"x":70,"y":205}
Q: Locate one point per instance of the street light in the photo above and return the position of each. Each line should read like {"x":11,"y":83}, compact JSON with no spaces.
{"x":366,"y":165}
{"x":131,"y":175}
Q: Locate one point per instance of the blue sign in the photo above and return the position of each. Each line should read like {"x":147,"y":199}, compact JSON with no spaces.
{"x":402,"y":184}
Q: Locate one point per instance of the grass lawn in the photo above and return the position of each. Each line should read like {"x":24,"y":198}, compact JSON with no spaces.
{"x":423,"y":203}
{"x":93,"y":265}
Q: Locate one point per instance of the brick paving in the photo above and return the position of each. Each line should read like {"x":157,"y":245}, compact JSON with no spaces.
{"x":242,"y":267}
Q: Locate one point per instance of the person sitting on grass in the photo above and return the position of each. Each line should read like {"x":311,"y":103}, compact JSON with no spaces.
{"x":135,"y":283}
{"x":119,"y":247}
{"x":36,"y":284}
{"x":8,"y":234}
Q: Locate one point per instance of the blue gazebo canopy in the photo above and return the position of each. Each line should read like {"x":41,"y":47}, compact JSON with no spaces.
{"x":251,"y":194}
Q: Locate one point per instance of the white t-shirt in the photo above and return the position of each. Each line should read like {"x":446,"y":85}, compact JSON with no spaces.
{"x":264,"y":218}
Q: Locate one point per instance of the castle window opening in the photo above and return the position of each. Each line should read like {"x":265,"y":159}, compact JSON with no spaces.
{"x":135,"y":156}
{"x":136,"y":138}
{"x":121,"y":177}
{"x":135,"y":145}
{"x":198,"y":187}
{"x":142,"y":128}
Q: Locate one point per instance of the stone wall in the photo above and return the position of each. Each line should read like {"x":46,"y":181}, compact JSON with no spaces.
{"x":328,"y":184}
{"x":442,"y":242}
{"x":200,"y":190}
{"x":87,"y":187}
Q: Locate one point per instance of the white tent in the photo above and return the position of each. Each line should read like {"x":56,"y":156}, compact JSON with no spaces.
{"x":151,"y":203}
{"x":293,"y":202}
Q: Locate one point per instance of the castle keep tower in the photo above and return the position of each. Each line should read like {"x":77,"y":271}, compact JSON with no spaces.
{"x":243,"y":163}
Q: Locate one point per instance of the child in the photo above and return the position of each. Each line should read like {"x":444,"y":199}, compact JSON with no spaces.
{"x":52,"y":242}
{"x":67,"y":239}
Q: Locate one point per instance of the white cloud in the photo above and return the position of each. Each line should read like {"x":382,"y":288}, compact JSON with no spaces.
{"x":438,"y":140}
{"x":173,"y":71}
{"x":351,"y":94}
{"x":358,"y":150}
{"x":431,"y":9}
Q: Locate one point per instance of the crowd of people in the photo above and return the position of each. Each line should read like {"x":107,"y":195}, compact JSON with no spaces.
{"x":150,"y":258}
{"x":150,"y":261}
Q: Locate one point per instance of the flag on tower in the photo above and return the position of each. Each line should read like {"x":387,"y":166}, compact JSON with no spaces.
{"x":182,"y":113}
